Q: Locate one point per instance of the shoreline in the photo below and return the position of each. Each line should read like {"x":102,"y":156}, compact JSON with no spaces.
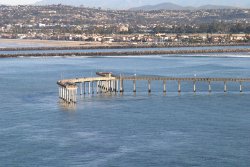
{"x":81,"y":45}
{"x":125,"y":53}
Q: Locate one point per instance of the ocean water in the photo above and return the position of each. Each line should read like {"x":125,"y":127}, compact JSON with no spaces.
{"x":139,"y":130}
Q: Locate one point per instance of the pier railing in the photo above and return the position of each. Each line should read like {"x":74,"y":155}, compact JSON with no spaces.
{"x":106,"y":82}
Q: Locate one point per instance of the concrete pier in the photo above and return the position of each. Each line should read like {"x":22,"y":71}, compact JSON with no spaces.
{"x":109,"y":83}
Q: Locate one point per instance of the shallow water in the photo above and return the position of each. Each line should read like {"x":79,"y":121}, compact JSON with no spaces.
{"x":201,"y":129}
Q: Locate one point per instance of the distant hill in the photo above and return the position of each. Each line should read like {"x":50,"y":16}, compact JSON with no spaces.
{"x":112,"y":4}
{"x":151,"y":4}
{"x":162,"y":6}
{"x":172,"y":6}
{"x":216,"y":7}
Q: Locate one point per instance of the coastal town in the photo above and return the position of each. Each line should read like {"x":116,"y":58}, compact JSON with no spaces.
{"x":60,"y":22}
{"x":124,"y":83}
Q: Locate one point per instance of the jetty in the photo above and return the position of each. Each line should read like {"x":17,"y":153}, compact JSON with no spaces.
{"x":107,"y":82}
{"x":127,"y":53}
{"x":123,"y":46}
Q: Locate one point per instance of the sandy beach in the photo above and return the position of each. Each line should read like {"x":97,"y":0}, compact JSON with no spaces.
{"x":27,"y":44}
{"x":5,"y":43}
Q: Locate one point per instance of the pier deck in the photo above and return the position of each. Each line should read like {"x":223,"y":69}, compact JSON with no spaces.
{"x":107,"y":82}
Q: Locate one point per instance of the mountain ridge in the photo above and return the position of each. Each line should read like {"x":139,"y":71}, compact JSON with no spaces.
{"x":161,"y":6}
{"x":131,"y":4}
{"x":172,"y":6}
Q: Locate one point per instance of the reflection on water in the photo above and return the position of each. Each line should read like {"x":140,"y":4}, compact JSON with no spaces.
{"x":66,"y":106}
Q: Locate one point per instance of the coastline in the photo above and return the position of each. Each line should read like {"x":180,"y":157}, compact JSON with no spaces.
{"x":127,"y":53}
{"x":31,"y":43}
{"x":22,"y":45}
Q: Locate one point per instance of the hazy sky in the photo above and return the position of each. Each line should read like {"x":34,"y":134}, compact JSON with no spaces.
{"x":17,"y":2}
{"x":109,"y":3}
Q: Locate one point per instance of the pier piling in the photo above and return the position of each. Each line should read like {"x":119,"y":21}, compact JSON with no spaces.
{"x":92,"y":87}
{"x":209,"y":87}
{"x":121,"y":86}
{"x":225,"y":86}
{"x":149,"y":86}
{"x":179,"y":86}
{"x":117,"y":85}
{"x":81,"y":88}
{"x":240,"y":86}
{"x":134,"y":84}
{"x":194,"y":86}
{"x":89,"y":87}
{"x":164,"y":86}
{"x":84,"y":87}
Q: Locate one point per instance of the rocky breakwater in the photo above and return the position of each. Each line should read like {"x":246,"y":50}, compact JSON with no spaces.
{"x":128,"y":53}
{"x":122,"y":46}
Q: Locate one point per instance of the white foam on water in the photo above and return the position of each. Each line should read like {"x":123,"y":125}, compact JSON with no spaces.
{"x":121,"y":151}
{"x":136,"y":56}
{"x":87,"y":135}
{"x":221,"y":55}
